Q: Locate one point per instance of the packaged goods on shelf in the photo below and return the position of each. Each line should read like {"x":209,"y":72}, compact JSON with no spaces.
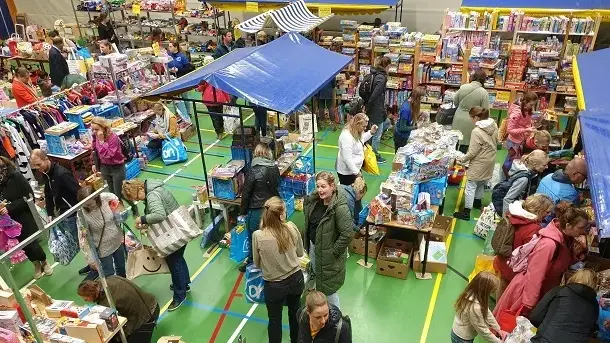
{"x":450,"y":51}
{"x":9,"y":320}
{"x":226,"y":181}
{"x":582,"y":25}
{"x":380,"y":209}
{"x":506,"y":22}
{"x":348,"y":24}
{"x":468,"y":21}
{"x":554,"y":24}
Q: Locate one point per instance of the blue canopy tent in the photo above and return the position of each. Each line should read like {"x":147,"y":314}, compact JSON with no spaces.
{"x":590,"y":73}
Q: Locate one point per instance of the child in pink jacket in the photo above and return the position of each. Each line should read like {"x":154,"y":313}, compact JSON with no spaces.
{"x":520,"y":120}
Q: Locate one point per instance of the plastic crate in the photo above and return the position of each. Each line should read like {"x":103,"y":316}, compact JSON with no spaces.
{"x":289,"y":200}
{"x":436,"y":188}
{"x":242,"y":154}
{"x":298,"y":187}
{"x":225,"y":189}
{"x":307,"y":167}
{"x":132,"y":169}
{"x":76,"y":118}
{"x":56,"y":145}
{"x":150,"y":154}
{"x":110,"y":112}
{"x":363,"y":214}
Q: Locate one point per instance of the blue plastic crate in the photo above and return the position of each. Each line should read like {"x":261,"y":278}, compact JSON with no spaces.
{"x":76,"y":118}
{"x":56,"y":145}
{"x":225,"y":189}
{"x":307,"y":167}
{"x":110,"y":112}
{"x":132,"y":169}
{"x":363,"y":214}
{"x":297,"y":187}
{"x":289,"y":200}
{"x":242,"y":154}
{"x":436,"y":188}
{"x":150,"y":154}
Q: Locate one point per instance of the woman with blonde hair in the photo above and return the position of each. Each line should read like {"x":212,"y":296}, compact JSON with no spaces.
{"x":108,"y":156}
{"x":262,"y":182}
{"x":525,"y":218}
{"x":351,"y":148}
{"x":277,"y":247}
{"x":158,"y":204}
{"x":472,"y":315}
{"x":521,"y":174}
{"x":328,"y":232}
{"x":568,"y":314}
{"x":165,"y":126}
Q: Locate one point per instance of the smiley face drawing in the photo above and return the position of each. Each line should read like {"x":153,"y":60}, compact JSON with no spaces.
{"x":156,"y":264}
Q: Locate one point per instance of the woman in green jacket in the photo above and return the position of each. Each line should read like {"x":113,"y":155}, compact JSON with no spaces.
{"x":328,"y":232}
{"x":468,"y":96}
{"x":158,"y":204}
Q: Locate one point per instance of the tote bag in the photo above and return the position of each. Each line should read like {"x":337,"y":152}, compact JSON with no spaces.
{"x":62,"y":246}
{"x":255,"y":285}
{"x":240,"y":245}
{"x":370,"y":161}
{"x":173,"y":151}
{"x":144,"y":260}
{"x":174,"y":232}
{"x":76,"y":66}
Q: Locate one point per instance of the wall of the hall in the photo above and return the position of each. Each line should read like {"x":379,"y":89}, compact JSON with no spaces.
{"x":420,"y":15}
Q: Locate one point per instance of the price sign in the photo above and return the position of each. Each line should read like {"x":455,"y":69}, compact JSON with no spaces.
{"x":135,"y":9}
{"x":156,"y":49}
{"x":503,"y":96}
{"x":324,"y":11}
{"x":251,"y":6}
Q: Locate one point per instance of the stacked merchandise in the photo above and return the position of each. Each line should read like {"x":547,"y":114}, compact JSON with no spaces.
{"x":488,"y":60}
{"x":582,"y":26}
{"x":365,"y":52}
{"x":506,"y":23}
{"x":517,"y":62}
{"x":157,"y":5}
{"x":499,"y":99}
{"x":242,"y":152}
{"x":450,"y":51}
{"x":454,"y":75}
{"x":226,"y":181}
{"x":543,"y":63}
{"x":554,"y":24}
{"x":429,"y":48}
{"x":433,"y":95}
{"x":468,"y":21}
{"x":566,"y":75}
{"x":350,"y":41}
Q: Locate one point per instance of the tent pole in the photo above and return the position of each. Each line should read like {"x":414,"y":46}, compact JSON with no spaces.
{"x":313,"y":130}
{"x":401,"y":2}
{"x":205,"y":169}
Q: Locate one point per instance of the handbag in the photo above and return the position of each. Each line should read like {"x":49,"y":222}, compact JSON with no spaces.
{"x":173,"y":151}
{"x":486,"y":222}
{"x":174,"y":232}
{"x":446,"y":112}
{"x":62,"y":246}
{"x":144,"y":260}
{"x":370,"y":161}
{"x":76,"y":66}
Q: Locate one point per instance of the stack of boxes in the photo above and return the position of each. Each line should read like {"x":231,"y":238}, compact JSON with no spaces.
{"x":517,"y":63}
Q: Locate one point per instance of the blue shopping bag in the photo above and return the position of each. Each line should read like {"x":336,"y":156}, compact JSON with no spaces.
{"x":173,"y":151}
{"x":240,"y":245}
{"x":255,"y":285}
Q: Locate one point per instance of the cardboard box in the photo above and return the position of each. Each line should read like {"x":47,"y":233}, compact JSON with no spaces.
{"x":441,"y":228}
{"x":54,"y":310}
{"x":431,"y":267}
{"x":358,"y":243}
{"x":395,"y":267}
{"x":7,"y":299}
{"x":187,"y":132}
{"x":89,"y":332}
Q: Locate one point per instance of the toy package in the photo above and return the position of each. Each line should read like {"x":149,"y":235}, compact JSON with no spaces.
{"x":402,"y":201}
{"x":380,"y":210}
{"x":423,"y":218}
{"x":405,"y":217}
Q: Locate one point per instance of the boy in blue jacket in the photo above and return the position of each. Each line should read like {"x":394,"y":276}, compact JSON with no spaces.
{"x":354,"y":194}
{"x":180,"y":66}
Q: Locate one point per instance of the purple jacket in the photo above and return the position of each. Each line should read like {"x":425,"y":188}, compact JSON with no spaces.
{"x":109,"y":152}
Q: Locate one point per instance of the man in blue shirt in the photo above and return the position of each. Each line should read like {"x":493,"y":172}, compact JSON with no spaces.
{"x":560,"y":185}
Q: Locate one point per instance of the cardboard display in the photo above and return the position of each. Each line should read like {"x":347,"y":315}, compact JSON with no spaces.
{"x":431,"y":267}
{"x":394,"y":267}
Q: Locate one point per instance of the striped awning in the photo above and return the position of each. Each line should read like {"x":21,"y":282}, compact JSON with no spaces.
{"x":295,"y":17}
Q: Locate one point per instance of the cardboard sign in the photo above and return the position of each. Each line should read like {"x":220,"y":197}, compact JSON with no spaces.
{"x":251,"y":6}
{"x":324,"y":11}
{"x":503,"y":96}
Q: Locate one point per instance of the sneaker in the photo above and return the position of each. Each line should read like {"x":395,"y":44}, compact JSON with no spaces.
{"x":37,"y":270}
{"x":84,"y":271}
{"x":381,"y":160}
{"x":242,"y":267}
{"x":463,"y":214}
{"x":188,"y":288}
{"x":174,"y":305}
{"x":47,"y":269}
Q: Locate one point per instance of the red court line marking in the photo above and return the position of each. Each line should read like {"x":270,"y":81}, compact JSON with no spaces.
{"x":227,"y":306}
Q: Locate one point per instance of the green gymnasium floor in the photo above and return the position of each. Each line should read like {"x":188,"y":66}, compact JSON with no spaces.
{"x":382,"y":309}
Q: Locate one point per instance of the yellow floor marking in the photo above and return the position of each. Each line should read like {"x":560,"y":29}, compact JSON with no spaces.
{"x":439,"y":277}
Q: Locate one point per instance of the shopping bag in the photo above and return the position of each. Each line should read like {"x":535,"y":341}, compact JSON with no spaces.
{"x":445,"y":114}
{"x":76,"y":66}
{"x":523,"y":332}
{"x":145,"y":261}
{"x":603,"y":319}
{"x":62,"y":246}
{"x":486,"y":222}
{"x":240,"y":245}
{"x":173,"y":151}
{"x":174,"y":232}
{"x":370,"y":161}
{"x":25,"y":48}
{"x":85,"y":54}
{"x":230,"y":123}
{"x":508,"y":319}
{"x":482,"y":263}
{"x":255,"y":285}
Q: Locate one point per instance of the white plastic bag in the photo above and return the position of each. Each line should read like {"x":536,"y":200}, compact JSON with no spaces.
{"x":230,"y":123}
{"x":486,"y":222}
{"x":522,"y":333}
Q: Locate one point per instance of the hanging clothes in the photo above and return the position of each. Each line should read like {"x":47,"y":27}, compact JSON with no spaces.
{"x":22,"y":152}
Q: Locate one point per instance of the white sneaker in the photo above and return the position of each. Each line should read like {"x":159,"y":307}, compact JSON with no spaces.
{"x":37,"y":270}
{"x":47,"y":269}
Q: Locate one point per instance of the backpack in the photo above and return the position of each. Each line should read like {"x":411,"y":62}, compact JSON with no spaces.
{"x":501,"y":189}
{"x":503,"y":238}
{"x":519,"y":258}
{"x":343,"y":319}
{"x":366,"y":87}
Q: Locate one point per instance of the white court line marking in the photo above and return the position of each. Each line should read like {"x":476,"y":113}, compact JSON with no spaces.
{"x":242,"y":324}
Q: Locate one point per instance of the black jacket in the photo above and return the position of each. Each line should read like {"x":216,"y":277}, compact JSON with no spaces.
{"x":262,"y":182}
{"x":58,"y":66}
{"x":566,"y":314}
{"x":14,"y":190}
{"x":60,"y":189}
{"x":328,"y":333}
{"x":375,"y":107}
{"x":222,"y":50}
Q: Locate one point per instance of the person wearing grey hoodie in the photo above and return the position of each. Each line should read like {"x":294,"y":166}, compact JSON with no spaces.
{"x":482,"y":156}
{"x":521,"y":174}
{"x":262,"y":182}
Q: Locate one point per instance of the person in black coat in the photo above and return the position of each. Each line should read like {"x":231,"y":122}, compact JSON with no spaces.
{"x":57,"y":62}
{"x":106,"y":30}
{"x":568,"y":314}
{"x":375,"y":104}
{"x":17,"y":208}
{"x":262,"y":182}
{"x":322,"y":322}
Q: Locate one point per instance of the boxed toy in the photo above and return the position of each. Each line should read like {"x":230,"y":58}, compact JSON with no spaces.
{"x":436,"y":188}
{"x":380,"y":210}
{"x":10,"y":320}
{"x":45,"y":326}
{"x":59,"y":338}
{"x":110,"y":317}
{"x":405,"y":217}
{"x":423,"y":218}
{"x":54,"y":310}
{"x":402,"y":201}
{"x":75,"y":312}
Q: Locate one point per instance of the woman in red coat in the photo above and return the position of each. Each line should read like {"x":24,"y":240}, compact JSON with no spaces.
{"x":525,"y":218}
{"x":552,"y":256}
{"x":213,"y":98}
{"x":23,"y":91}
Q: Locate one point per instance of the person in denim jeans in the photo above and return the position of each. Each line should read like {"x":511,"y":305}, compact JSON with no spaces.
{"x":375,"y":105}
{"x":277,"y":247}
{"x":158,"y":204}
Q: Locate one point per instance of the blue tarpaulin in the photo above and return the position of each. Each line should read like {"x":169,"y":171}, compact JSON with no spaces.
{"x":280,"y":75}
{"x":591,"y":71}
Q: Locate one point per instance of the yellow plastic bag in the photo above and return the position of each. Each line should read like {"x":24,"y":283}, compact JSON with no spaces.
{"x":370,"y":161}
{"x":483,"y":263}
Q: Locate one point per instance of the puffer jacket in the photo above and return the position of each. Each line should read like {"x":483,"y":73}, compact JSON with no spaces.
{"x":566,"y":314}
{"x":482,"y":150}
{"x":375,"y":107}
{"x":329,"y":332}
{"x":262,"y":182}
{"x":520,"y":187}
{"x":333,"y":235}
{"x":159,"y":202}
